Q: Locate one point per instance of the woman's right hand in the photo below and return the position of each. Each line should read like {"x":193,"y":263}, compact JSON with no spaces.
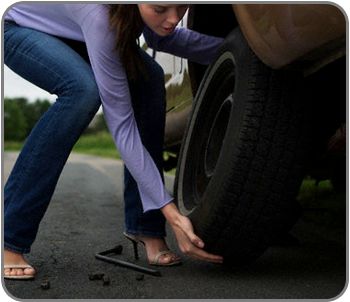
{"x":189,"y":243}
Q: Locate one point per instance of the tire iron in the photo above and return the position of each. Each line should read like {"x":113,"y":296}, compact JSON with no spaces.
{"x":117,"y":250}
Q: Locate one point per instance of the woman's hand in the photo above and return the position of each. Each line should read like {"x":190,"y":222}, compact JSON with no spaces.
{"x":189,"y":243}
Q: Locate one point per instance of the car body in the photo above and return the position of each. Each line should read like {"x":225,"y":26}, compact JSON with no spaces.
{"x":283,"y":34}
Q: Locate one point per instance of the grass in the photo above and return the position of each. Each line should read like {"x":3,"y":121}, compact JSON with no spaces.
{"x":12,"y":146}
{"x":100,"y":144}
{"x":322,"y":204}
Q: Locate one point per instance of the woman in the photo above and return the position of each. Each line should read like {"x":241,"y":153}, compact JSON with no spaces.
{"x":46,"y":44}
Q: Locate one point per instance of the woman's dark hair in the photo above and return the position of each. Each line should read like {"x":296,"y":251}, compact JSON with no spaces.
{"x":126,"y":20}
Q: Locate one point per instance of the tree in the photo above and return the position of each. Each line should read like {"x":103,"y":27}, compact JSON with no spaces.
{"x":15,"y":124}
{"x":20,"y":116}
{"x":34,"y":111}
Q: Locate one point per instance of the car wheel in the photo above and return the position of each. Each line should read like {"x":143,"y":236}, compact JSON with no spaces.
{"x":242,"y":156}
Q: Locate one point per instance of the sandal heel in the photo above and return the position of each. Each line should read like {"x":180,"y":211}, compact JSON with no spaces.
{"x":135,"y":243}
{"x":136,"y":252}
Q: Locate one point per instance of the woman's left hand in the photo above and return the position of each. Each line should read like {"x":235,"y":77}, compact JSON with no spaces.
{"x":189,"y":243}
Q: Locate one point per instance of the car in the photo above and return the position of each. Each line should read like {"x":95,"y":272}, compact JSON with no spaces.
{"x":244,"y":131}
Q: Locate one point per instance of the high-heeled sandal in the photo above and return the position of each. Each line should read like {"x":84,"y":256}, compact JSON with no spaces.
{"x":135,"y":241}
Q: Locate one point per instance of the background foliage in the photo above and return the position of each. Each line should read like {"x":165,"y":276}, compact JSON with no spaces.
{"x":20,"y":117}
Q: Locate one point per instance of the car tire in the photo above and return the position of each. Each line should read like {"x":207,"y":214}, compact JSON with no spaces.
{"x":241,"y":162}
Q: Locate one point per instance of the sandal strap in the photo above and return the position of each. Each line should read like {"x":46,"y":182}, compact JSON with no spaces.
{"x":22,"y":266}
{"x":160,"y":254}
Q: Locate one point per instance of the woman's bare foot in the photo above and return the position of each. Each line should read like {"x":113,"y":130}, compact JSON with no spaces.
{"x":12,"y":258}
{"x":154,"y":246}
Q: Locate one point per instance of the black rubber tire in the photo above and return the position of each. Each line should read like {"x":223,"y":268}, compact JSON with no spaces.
{"x":242,"y":157}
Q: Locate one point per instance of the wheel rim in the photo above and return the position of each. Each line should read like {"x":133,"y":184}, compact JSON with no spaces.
{"x":210,"y":149}
{"x":210,"y":130}
{"x":216,"y":137}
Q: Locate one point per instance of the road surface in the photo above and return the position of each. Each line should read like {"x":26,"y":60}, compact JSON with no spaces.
{"x":86,"y":217}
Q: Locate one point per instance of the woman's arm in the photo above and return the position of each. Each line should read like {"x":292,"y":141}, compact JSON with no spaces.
{"x":116,"y":101}
{"x":185,"y":43}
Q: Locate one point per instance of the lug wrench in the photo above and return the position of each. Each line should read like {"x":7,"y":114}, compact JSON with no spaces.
{"x":117,"y":250}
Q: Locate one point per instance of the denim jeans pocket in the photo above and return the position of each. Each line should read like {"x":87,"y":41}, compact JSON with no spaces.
{"x":8,"y":24}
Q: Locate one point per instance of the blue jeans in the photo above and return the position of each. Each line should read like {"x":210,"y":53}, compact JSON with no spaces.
{"x":51,"y":64}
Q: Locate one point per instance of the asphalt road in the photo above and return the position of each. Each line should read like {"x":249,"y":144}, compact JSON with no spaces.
{"x":86,"y":217}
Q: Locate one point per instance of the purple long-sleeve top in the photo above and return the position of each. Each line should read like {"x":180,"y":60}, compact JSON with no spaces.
{"x":89,"y":23}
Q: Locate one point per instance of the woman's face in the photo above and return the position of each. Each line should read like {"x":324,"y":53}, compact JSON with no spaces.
{"x":162,"y":18}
